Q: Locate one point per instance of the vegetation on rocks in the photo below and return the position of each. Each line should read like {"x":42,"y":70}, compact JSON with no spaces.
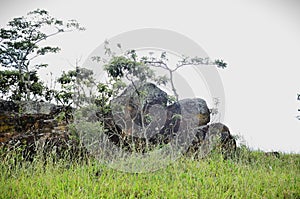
{"x":43,"y":153}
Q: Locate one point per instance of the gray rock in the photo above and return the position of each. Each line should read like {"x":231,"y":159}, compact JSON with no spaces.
{"x":26,"y":107}
{"x":196,"y":109}
{"x":214,"y":137}
{"x":142,"y":116}
{"x":140,"y":111}
{"x":32,"y":107}
{"x":185,"y":115}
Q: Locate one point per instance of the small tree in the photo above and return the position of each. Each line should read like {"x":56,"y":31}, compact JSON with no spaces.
{"x":131,"y":68}
{"x":74,"y":90}
{"x":162,"y":62}
{"x":21,"y":43}
{"x":74,"y":85}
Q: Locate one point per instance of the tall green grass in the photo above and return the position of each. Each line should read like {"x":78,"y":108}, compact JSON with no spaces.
{"x":249,"y":174}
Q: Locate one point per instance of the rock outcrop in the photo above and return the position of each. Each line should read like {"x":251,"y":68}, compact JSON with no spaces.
{"x":143,"y":115}
{"x":34,"y":127}
{"x":140,"y":107}
{"x":141,"y":118}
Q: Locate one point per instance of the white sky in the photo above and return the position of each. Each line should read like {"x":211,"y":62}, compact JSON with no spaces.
{"x":259,"y":39}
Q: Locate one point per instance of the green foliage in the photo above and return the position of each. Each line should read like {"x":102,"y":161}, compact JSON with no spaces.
{"x":13,"y":88}
{"x":102,"y":100}
{"x":20,"y":44}
{"x":20,"y":40}
{"x":129,"y":67}
{"x":69,"y":95}
{"x":74,"y":82}
{"x":220,"y":63}
{"x":67,"y":82}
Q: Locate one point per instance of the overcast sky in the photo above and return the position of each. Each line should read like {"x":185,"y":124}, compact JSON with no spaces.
{"x":259,"y":39}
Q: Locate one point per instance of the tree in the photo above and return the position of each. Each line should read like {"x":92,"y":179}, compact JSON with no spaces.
{"x":21,"y":43}
{"x":75,"y":82}
{"x":185,"y":61}
{"x":131,"y":68}
{"x":71,"y":94}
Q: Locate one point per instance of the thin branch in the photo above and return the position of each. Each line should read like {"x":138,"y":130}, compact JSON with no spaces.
{"x":173,"y":86}
{"x":195,"y":63}
{"x":129,"y":79}
{"x":160,"y":64}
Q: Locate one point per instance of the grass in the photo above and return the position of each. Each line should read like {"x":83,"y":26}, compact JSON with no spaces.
{"x":247,"y":175}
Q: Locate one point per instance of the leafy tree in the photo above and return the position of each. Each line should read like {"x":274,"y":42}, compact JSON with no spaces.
{"x":21,"y":43}
{"x":130,"y":67}
{"x":75,"y":82}
{"x":11,"y":86}
{"x":72,"y":92}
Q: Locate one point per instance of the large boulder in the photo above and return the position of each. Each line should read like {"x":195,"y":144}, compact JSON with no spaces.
{"x":213,"y":137}
{"x":141,"y":115}
{"x":196,"y":109}
{"x":140,"y":110}
{"x":183,"y":117}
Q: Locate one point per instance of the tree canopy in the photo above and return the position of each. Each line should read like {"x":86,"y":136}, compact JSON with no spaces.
{"x":21,"y":43}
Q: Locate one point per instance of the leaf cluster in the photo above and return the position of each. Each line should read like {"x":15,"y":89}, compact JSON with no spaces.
{"x":19,"y":41}
{"x":14,"y":89}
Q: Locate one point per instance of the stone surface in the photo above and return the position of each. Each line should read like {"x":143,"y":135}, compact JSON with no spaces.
{"x":140,"y":110}
{"x":183,"y":116}
{"x":31,"y":107}
{"x":196,"y":109}
{"x":33,"y":126}
{"x":185,"y":121}
{"x":213,"y":137}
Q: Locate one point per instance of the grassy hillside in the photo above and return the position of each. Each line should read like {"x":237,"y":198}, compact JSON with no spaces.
{"x":247,"y":175}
